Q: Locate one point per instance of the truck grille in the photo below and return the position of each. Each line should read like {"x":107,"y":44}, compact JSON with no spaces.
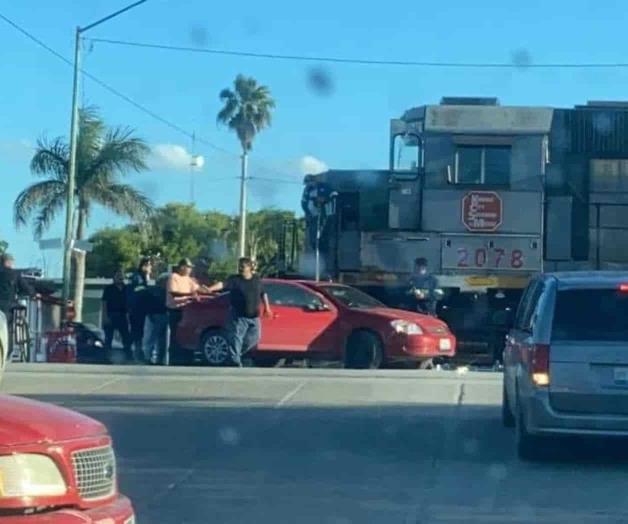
{"x":95,"y":472}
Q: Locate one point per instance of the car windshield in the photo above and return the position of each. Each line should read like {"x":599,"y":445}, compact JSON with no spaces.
{"x":352,"y":297}
{"x":591,"y":314}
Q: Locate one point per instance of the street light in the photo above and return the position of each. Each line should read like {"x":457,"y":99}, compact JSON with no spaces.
{"x":69,"y":212}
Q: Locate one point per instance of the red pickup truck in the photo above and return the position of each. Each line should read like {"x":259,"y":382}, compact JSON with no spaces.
{"x":320,"y":321}
{"x":56,"y":466}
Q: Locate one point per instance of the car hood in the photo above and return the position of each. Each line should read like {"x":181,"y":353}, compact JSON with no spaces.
{"x":24,"y":421}
{"x":400,"y":314}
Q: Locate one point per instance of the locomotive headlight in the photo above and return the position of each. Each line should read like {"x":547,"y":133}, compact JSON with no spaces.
{"x":30,"y":475}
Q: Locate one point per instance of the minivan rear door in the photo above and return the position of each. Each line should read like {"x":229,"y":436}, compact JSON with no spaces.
{"x":589,"y":351}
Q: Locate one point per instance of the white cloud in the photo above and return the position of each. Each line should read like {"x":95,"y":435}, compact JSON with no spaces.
{"x":310,"y":165}
{"x":173,"y":157}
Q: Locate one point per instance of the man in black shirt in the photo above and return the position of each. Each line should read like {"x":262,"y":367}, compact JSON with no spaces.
{"x":115,"y":313}
{"x":246,"y":294}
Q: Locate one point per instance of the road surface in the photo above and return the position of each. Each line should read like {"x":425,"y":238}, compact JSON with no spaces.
{"x":293,"y":446}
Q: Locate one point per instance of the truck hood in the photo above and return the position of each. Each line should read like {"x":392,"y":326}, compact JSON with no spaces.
{"x":24,"y":421}
{"x":425,"y":321}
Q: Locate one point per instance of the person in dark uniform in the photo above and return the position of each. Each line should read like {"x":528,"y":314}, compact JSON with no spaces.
{"x":138,"y":286}
{"x":423,"y":287}
{"x":115,"y":313}
{"x":246,"y":294}
{"x":11,"y":285}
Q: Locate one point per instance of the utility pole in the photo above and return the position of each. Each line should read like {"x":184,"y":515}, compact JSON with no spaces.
{"x":68,"y":244}
{"x":242,"y":231}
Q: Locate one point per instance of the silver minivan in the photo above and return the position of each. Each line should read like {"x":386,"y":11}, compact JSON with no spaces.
{"x":566,"y":359}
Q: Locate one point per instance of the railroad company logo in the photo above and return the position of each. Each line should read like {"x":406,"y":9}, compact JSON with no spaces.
{"x":482,"y":211}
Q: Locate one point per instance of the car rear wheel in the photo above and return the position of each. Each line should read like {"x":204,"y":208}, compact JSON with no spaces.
{"x":508,"y":419}
{"x":364,"y":351}
{"x":215,"y":348}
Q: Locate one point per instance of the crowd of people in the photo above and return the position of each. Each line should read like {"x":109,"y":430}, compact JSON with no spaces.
{"x":146,"y":316}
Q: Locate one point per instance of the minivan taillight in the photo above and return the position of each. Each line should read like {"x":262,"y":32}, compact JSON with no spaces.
{"x":539,"y":364}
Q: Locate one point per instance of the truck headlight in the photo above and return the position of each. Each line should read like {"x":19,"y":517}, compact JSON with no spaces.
{"x":30,"y":475}
{"x":406,"y":327}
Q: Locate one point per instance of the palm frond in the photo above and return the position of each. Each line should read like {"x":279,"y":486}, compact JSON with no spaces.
{"x":119,"y":153}
{"x":47,"y":212}
{"x":51,"y":158}
{"x":34,"y":198}
{"x":247,"y":109}
{"x":123,"y":199}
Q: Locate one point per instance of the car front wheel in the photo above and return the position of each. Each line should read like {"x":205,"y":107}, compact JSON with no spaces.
{"x":215,"y":348}
{"x":364,"y":351}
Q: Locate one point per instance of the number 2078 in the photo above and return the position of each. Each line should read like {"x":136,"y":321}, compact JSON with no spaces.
{"x":491,"y":258}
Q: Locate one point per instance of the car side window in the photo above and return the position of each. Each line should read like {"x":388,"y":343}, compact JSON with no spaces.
{"x":528,"y":314}
{"x":525,"y":299}
{"x":291,"y":296}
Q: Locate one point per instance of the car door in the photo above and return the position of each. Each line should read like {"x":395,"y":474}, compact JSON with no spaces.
{"x":519,"y":339}
{"x":302,"y":320}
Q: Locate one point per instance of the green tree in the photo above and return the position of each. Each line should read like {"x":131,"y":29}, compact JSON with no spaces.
{"x":247,"y":110}
{"x":114,"y":249}
{"x":3,"y":246}
{"x":104,"y":156}
{"x":209,"y":238}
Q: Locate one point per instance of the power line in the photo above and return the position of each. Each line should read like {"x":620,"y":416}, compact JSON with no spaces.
{"x":365,"y":61}
{"x":118,"y":93}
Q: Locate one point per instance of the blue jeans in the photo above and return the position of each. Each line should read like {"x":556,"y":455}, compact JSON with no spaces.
{"x":243,"y":335}
{"x":155,"y":338}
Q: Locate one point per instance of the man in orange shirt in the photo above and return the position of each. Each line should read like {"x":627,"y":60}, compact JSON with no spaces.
{"x":181,"y":289}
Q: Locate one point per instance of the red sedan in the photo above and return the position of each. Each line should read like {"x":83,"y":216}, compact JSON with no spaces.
{"x":321,"y":321}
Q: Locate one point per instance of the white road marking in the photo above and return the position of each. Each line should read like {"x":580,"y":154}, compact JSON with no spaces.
{"x":104,"y":385}
{"x":288,"y":396}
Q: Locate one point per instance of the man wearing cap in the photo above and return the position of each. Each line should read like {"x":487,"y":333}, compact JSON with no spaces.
{"x":181,"y":289}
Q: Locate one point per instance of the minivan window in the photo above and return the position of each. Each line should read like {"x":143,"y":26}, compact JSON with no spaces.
{"x":528,"y":305}
{"x":591,"y":314}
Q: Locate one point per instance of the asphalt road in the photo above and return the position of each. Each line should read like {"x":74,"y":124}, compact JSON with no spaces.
{"x":199,"y":446}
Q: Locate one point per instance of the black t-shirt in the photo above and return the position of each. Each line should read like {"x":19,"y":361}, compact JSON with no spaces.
{"x":115,"y":298}
{"x":245,"y":295}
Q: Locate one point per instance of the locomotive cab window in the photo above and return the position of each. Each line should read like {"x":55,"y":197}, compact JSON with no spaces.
{"x":483,"y":165}
{"x":408,"y":153}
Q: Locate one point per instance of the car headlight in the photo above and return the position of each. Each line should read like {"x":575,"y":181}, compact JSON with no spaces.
{"x":30,"y":475}
{"x":406,"y":327}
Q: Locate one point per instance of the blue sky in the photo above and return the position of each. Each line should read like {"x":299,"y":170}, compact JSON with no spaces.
{"x":344,"y":127}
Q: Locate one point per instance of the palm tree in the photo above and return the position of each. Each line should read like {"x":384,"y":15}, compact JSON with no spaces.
{"x":247,"y":110}
{"x":104,"y":156}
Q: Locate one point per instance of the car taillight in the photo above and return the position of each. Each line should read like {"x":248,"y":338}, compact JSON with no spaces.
{"x":539,"y":364}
